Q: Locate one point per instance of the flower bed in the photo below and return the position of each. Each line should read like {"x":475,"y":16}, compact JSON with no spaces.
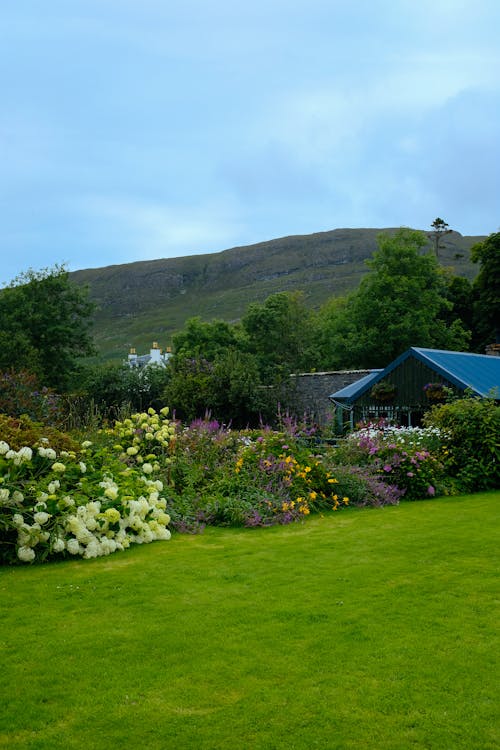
{"x":89,"y":502}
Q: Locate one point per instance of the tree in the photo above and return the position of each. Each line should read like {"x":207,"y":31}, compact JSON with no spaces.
{"x":199,"y":339}
{"x":440,"y":230}
{"x":45,"y":326}
{"x":399,"y":304}
{"x":278,"y":334}
{"x":486,"y":292}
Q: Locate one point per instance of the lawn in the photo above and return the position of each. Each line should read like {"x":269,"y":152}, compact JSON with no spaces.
{"x":369,"y":629}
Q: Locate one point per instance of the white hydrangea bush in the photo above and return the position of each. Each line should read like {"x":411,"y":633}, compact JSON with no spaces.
{"x":88,"y":503}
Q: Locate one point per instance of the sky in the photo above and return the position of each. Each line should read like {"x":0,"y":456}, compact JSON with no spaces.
{"x":142,"y":129}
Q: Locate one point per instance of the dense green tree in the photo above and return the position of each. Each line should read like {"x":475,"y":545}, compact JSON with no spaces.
{"x":237,"y":395}
{"x":112,"y":386}
{"x":459,"y":295}
{"x":227,"y":389}
{"x":398,"y":305}
{"x":199,"y":339}
{"x":486,"y":292}
{"x":45,"y":326}
{"x":189,"y":392}
{"x":278,"y":333}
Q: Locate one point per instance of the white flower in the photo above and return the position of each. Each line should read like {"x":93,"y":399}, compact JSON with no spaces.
{"x":26,"y":554}
{"x":163,"y":534}
{"x":132,"y":451}
{"x":53,"y":486}
{"x":47,"y":453}
{"x":72,"y":546}
{"x":4,"y":447}
{"x":93,"y":549}
{"x":83,"y":467}
{"x":17,"y":497}
{"x":111,"y":492}
{"x":59,"y":467}
{"x":86,"y":444}
{"x":4,"y":496}
{"x":41,"y":517}
{"x":147,"y":468}
{"x":58,"y":545}
{"x":17,"y":519}
{"x":25,"y":454}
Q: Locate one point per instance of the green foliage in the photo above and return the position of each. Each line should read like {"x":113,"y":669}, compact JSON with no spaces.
{"x":279,"y":335}
{"x":91,"y":501}
{"x":21,"y":431}
{"x":112,"y":386}
{"x":400,"y":304}
{"x":20,"y":393}
{"x":190,"y":387}
{"x":459,"y":294}
{"x":228,"y":388}
{"x":471,"y":430}
{"x":200,"y":340}
{"x":486,"y":292}
{"x":46,"y":322}
{"x":405,"y":458}
{"x":251,"y":478}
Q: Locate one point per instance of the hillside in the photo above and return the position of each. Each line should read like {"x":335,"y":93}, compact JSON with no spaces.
{"x":149,"y":300}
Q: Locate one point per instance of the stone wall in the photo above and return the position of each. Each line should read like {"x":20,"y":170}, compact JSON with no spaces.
{"x":311,"y":391}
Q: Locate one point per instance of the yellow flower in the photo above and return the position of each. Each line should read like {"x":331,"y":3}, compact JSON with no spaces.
{"x":333,"y":481}
{"x":307,"y":469}
{"x":313,"y":495}
{"x":345,"y":500}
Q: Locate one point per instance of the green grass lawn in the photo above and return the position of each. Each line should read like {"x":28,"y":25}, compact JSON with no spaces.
{"x":369,"y":629}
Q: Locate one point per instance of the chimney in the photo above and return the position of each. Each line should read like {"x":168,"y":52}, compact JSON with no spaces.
{"x":493,"y":350}
{"x":155,"y":354}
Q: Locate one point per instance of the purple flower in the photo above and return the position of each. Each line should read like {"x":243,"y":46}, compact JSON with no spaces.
{"x":430,"y":490}
{"x":387,"y":468}
{"x":410,"y":474}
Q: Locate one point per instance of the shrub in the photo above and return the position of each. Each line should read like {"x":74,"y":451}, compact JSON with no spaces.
{"x":86,"y":503}
{"x":398,"y":456}
{"x":21,"y":431}
{"x":471,"y":449}
{"x":20,"y":393}
{"x":365,"y":488}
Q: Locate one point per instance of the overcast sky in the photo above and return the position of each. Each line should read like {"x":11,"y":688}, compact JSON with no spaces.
{"x":142,"y":129}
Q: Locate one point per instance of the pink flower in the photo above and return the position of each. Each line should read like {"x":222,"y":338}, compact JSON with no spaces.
{"x":430,"y":490}
{"x":387,"y":468}
{"x":410,"y":474}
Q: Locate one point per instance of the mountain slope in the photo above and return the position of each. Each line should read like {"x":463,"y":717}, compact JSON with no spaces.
{"x":149,"y":300}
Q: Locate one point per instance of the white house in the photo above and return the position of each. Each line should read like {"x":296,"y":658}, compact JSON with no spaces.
{"x":155,"y":357}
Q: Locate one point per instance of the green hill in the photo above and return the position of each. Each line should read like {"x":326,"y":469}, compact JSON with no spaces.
{"x":149,"y":300}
